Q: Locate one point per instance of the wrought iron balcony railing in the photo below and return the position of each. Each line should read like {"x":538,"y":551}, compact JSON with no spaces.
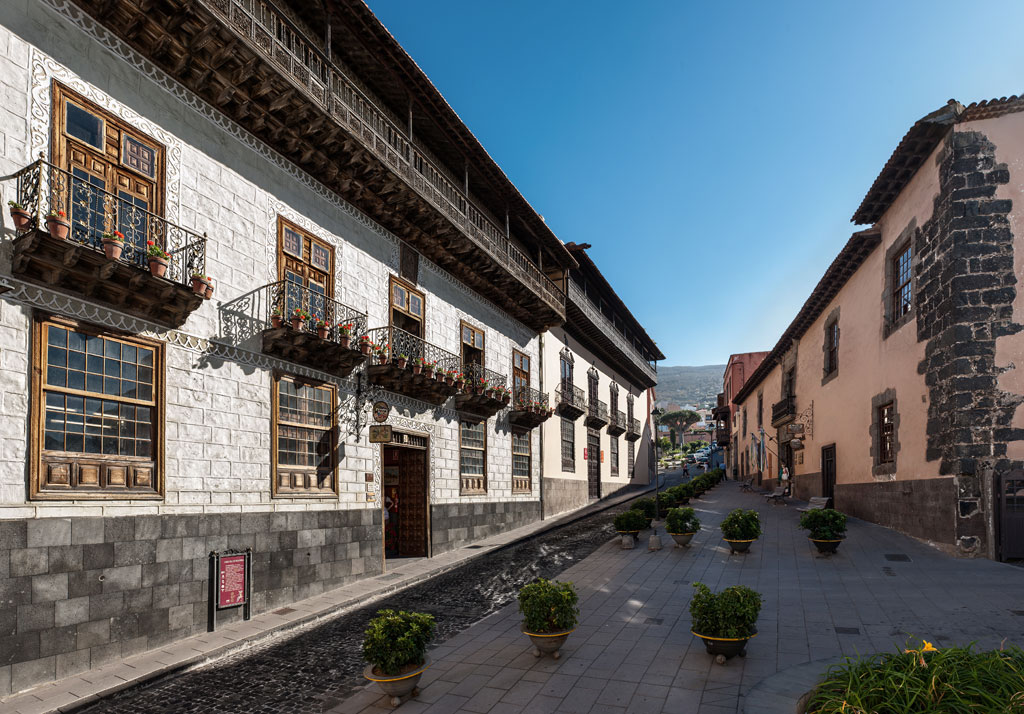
{"x":286,"y":300}
{"x":393,"y":343}
{"x":286,"y":46}
{"x":475,"y":374}
{"x":570,"y":396}
{"x":633,"y":430}
{"x":93,"y":211}
{"x":616,"y":422}
{"x":524,"y":397}
{"x":597,"y":411}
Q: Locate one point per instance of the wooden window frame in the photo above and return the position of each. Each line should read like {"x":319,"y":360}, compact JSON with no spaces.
{"x":275,"y":406}
{"x":613,"y":455}
{"x":282,"y":224}
{"x":474,"y":330}
{"x":37,"y":416}
{"x":528,"y":487}
{"x":567,"y":464}
{"x":831,"y":365}
{"x":463,"y":491}
{"x":519,"y":372}
{"x":60,"y":94}
{"x":396,"y":280}
{"x":898,"y":308}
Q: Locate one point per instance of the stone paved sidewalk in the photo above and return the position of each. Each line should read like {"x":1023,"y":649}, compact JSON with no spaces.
{"x":633,"y":651}
{"x":73,"y":692}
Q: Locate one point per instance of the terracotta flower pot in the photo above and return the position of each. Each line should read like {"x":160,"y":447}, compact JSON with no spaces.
{"x":22,"y":218}
{"x":113,"y":248}
{"x":298,"y":324}
{"x":402,"y":361}
{"x":417,"y":369}
{"x":344,"y":341}
{"x":58,"y":227}
{"x":209,"y":291}
{"x":276,"y":320}
{"x":157,"y":266}
{"x":382,"y":358}
{"x":364,"y":347}
{"x":198,"y":286}
{"x":429,"y":371}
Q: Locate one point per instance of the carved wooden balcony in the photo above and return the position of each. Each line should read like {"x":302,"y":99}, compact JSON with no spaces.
{"x":485,"y":393}
{"x":784,"y":411}
{"x":616,"y":423}
{"x":597,"y":414}
{"x":405,"y":364}
{"x":633,"y":430}
{"x":77,"y":263}
{"x":327,"y":337}
{"x":530,"y":408}
{"x":258,"y":67}
{"x":570,"y":401}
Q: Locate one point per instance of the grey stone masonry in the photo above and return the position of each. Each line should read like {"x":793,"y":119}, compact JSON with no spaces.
{"x":77,"y":593}
{"x":965,"y":288}
{"x":458,"y":524}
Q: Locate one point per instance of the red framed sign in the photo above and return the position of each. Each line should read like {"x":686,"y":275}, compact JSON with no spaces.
{"x":230,"y":583}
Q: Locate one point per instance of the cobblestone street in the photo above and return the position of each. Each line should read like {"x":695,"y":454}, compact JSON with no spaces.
{"x":633,"y":651}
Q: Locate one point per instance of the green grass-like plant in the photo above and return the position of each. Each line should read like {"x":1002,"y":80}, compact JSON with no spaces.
{"x":549,"y":606}
{"x":682,"y":520}
{"x":824,"y":524}
{"x":630,"y":521}
{"x":924,"y":681}
{"x":730,"y":613}
{"x":741,"y":525}
{"x":396,"y":639}
{"x":645,"y":506}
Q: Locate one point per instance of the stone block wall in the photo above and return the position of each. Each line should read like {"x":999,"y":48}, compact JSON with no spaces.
{"x":563,"y":494}
{"x":76,"y":593}
{"x":923,"y":508}
{"x":454,"y":525}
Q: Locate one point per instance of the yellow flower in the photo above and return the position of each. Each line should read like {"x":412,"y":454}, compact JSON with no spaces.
{"x":928,"y":647}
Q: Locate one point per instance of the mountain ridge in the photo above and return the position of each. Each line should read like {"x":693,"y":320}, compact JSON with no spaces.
{"x":698,"y":385}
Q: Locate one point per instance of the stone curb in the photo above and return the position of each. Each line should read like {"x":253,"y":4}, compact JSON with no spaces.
{"x":780,"y":693}
{"x":335,"y":610}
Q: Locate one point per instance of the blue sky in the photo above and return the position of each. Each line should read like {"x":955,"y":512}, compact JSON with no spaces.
{"x":712,"y":153}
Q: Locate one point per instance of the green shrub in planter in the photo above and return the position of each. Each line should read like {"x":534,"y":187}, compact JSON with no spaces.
{"x":644,"y":506}
{"x":630,"y":521}
{"x":730,"y":613}
{"x":682,"y":520}
{"x":394,"y":640}
{"x":824,"y":524}
{"x":741,"y":525}
{"x":932,"y":681}
{"x":549,"y":606}
{"x":666,"y":501}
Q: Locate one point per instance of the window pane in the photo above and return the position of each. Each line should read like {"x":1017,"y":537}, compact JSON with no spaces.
{"x":84,"y":125}
{"x":416,"y":305}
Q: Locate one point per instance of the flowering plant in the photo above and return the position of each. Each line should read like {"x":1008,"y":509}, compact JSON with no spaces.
{"x":365,"y":338}
{"x":56,"y":214}
{"x":320,"y":322}
{"x":155,"y":251}
{"x":300,"y":314}
{"x":346,"y":329}
{"x":116,"y":236}
{"x":419,"y":361}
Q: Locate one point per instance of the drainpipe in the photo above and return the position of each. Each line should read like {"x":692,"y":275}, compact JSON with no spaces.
{"x":540,"y":386}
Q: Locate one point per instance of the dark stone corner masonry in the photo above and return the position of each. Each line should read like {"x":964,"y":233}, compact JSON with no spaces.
{"x":965,"y":291}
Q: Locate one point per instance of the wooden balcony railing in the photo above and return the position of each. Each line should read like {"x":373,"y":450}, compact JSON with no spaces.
{"x":286,"y":46}
{"x":580,"y":299}
{"x":783,"y":410}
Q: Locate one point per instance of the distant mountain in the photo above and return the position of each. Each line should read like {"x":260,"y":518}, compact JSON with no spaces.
{"x":689,"y":385}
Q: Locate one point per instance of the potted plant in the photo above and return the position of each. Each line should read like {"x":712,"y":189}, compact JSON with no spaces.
{"x":299,"y":317}
{"x":209,"y":287}
{"x":402,"y":360}
{"x":382,"y":353}
{"x":681,"y":493}
{"x":741,"y":528}
{"x":321,"y":328}
{"x":344,"y":334}
{"x":682,"y":524}
{"x":666,"y":501}
{"x":113,"y":244}
{"x":827,"y":527}
{"x":647,"y":507}
{"x":365,"y":345}
{"x":550,"y":613}
{"x":199,"y":284}
{"x":395,"y":645}
{"x":428,"y":369}
{"x":417,"y":365}
{"x":22,"y":218}
{"x":276,"y":320}
{"x":158,"y":258}
{"x":726,"y":621}
{"x":57,"y":224}
{"x":482,"y":386}
{"x":630,"y":523}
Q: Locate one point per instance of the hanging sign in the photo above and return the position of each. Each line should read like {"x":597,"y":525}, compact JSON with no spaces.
{"x":380,"y":433}
{"x":381,"y":410}
{"x":795,"y":428}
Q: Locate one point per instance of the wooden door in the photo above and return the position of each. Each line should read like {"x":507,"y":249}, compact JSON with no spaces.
{"x":828,"y":472}
{"x":593,"y":463}
{"x":1011,"y":515}
{"x":306,"y":264}
{"x":412,"y":487}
